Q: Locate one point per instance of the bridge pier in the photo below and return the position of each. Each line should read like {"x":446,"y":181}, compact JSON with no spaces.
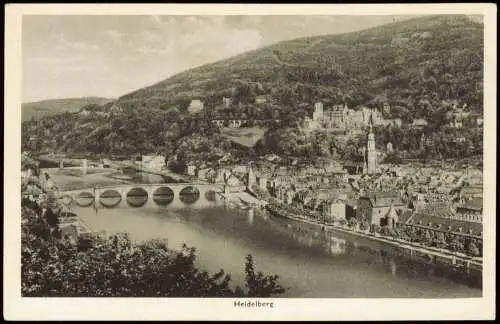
{"x":97,"y":196}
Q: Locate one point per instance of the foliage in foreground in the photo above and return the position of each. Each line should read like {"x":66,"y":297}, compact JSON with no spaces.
{"x":115,"y":266}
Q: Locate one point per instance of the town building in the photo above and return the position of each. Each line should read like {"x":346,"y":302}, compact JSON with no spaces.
{"x":397,"y":122}
{"x":379,"y":208}
{"x":444,"y":220}
{"x":471,"y":191}
{"x":335,"y":209}
{"x":335,"y":118}
{"x":217,"y":122}
{"x":471,"y":211}
{"x":262,"y":182}
{"x":457,"y":117}
{"x":227,"y":102}
{"x":156,"y":162}
{"x":386,"y":109}
{"x":191,"y":169}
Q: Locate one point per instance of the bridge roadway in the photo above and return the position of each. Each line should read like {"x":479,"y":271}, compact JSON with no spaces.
{"x":165,"y":173}
{"x":161,"y":193}
{"x":77,"y":164}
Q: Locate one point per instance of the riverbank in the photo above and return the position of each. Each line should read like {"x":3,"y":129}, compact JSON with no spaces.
{"x":414,"y":250}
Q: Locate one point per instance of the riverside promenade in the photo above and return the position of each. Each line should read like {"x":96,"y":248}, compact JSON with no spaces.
{"x":455,"y":260}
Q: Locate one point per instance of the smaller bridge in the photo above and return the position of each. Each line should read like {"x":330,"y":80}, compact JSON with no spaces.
{"x":137,"y":195}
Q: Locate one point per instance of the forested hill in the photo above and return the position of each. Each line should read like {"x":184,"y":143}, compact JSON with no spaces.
{"x":53,"y":106}
{"x":418,"y":66}
{"x":414,"y":64}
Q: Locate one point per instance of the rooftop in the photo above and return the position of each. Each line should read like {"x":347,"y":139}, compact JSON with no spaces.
{"x":447,"y":224}
{"x":474,"y":204}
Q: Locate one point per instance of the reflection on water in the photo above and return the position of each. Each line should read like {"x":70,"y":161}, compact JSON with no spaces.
{"x":250,"y":216}
{"x":312,"y":262}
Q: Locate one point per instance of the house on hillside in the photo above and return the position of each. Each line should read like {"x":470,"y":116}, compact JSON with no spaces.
{"x":471,"y":210}
{"x":260,"y":99}
{"x":115,"y":109}
{"x":217,"y":122}
{"x":84,"y":112}
{"x":419,"y":123}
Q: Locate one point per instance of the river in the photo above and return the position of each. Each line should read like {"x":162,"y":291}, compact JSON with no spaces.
{"x":310,"y":262}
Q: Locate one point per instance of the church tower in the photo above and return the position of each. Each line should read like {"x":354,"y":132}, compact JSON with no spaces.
{"x":371,"y":152}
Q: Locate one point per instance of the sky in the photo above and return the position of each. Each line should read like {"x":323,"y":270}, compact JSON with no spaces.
{"x":109,"y":56}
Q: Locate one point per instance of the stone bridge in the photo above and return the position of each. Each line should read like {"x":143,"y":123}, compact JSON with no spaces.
{"x":137,"y":195}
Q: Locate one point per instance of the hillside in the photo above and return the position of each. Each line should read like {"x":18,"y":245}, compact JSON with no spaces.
{"x":53,"y":106}
{"x":418,"y":66}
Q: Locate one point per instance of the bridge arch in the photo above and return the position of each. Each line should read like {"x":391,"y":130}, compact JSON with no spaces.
{"x":137,"y":197}
{"x":163,"y":196}
{"x":84,"y":199}
{"x":189,"y":195}
{"x":110,"y":198}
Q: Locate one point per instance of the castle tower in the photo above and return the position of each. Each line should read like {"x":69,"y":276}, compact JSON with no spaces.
{"x":318,"y":111}
{"x":422,"y":141}
{"x":372,"y":153}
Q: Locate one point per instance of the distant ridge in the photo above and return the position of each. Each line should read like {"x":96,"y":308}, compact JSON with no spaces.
{"x":41,"y":108}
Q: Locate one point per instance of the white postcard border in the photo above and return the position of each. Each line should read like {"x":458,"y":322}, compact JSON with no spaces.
{"x":18,"y":308}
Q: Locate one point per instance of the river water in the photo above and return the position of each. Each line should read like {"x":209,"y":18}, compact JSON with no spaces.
{"x":310,"y":262}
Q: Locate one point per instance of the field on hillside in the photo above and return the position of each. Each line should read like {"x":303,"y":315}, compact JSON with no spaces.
{"x":246,"y":136}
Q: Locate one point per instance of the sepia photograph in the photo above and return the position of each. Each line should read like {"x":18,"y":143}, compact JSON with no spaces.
{"x":252,"y":160}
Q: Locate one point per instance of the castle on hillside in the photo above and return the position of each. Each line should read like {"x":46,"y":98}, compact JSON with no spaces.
{"x":334,"y":118}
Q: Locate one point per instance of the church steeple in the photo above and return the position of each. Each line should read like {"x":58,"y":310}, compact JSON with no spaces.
{"x":372,"y":153}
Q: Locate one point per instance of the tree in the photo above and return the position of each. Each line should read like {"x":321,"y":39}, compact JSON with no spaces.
{"x":454,"y":244}
{"x":258,"y":284}
{"x":473,"y":250}
{"x":352,"y":222}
